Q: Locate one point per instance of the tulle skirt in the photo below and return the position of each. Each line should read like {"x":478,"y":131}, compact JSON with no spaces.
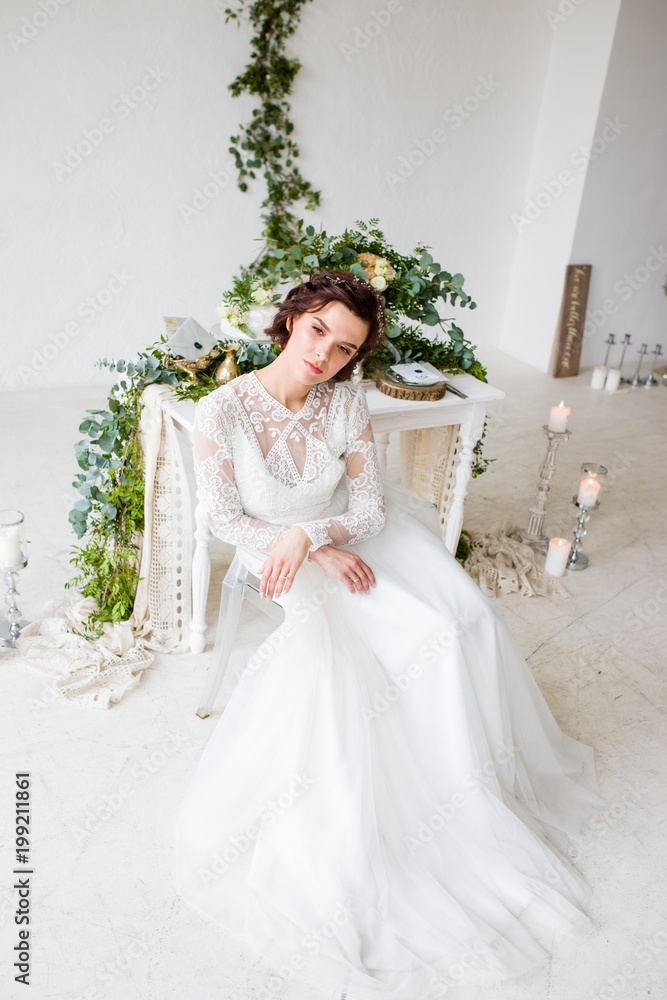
{"x":380,"y":806}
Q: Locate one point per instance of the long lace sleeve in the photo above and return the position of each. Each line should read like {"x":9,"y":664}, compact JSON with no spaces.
{"x":216,"y":485}
{"x":365,"y":515}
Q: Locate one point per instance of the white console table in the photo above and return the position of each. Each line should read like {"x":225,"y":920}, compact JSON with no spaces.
{"x":387,"y":415}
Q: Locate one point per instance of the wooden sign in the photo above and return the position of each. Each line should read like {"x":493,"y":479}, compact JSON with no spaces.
{"x":571,"y":322}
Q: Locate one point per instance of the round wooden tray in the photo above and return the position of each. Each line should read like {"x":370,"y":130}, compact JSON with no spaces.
{"x":425,"y":392}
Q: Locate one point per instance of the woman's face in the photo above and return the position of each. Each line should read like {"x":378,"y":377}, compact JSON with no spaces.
{"x":324,"y":341}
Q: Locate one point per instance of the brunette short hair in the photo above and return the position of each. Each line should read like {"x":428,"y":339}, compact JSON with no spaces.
{"x":333,"y":286}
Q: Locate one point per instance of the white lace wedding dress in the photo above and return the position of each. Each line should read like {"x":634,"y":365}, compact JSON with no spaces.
{"x":380,"y":806}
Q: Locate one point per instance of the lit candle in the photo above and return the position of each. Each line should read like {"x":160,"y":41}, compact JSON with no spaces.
{"x":598,"y":377}
{"x":588,"y":492}
{"x":10,"y":546}
{"x":557,"y":556}
{"x":558,"y":418}
{"x":613,"y":379}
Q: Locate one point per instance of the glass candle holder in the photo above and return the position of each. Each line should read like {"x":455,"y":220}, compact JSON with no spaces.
{"x":592,"y":478}
{"x":586,"y":500}
{"x":12,"y":547}
{"x":12,"y":559}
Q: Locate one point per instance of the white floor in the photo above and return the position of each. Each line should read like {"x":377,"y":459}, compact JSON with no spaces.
{"x":106,"y":918}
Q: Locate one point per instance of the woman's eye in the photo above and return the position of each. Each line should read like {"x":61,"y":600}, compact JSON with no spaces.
{"x":345,"y":350}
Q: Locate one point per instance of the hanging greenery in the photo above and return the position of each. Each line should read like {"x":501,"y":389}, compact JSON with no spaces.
{"x":266,"y":142}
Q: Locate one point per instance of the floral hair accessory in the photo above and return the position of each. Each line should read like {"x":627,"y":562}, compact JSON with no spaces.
{"x":382,"y":323}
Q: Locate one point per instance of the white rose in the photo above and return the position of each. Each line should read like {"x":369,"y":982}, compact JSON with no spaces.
{"x":260,"y":296}
{"x":381,"y":266}
{"x":379,"y":283}
{"x":223,"y":311}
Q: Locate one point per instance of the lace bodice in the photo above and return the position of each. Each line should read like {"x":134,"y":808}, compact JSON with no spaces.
{"x":261,"y":468}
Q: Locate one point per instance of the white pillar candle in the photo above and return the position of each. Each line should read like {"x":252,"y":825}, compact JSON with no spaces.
{"x":613,"y":379}
{"x":557,"y":556}
{"x":598,"y":377}
{"x":558,"y":418}
{"x":10,"y":546}
{"x":588,"y":492}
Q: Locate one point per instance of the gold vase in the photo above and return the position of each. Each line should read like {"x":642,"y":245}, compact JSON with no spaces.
{"x":228,"y":369}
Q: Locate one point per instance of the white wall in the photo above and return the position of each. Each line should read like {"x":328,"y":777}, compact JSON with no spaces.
{"x":622,"y":225}
{"x":364,"y":99}
{"x":546,"y":219}
{"x":366,"y":104}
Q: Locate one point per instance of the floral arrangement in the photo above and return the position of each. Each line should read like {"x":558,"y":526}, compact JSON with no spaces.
{"x":411,"y":287}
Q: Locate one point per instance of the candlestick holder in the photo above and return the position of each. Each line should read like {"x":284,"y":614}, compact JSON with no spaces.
{"x":626,"y":343}
{"x":610,"y":341}
{"x":592,"y":473}
{"x":636,"y":379}
{"x":578,"y":560}
{"x":532,"y":535}
{"x":12,"y":560}
{"x":650,"y":378}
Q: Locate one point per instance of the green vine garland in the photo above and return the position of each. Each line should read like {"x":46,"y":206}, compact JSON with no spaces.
{"x":266,"y":142}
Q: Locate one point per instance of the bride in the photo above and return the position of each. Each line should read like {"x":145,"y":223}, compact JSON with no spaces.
{"x":384,"y":804}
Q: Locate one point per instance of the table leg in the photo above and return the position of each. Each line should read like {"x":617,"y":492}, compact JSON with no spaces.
{"x":381,"y":443}
{"x":470,"y":432}
{"x":201,"y":575}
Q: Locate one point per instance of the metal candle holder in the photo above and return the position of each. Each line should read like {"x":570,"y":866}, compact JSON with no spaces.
{"x":650,"y":378}
{"x":626,"y":343}
{"x":636,"y":380}
{"x":533,"y":535}
{"x":577,"y":559}
{"x":11,"y":546}
{"x":610,"y":341}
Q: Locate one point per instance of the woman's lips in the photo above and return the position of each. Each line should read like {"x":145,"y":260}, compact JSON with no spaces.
{"x":314,"y":369}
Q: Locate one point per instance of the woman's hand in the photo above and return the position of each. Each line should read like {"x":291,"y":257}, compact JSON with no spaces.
{"x":279,"y":570}
{"x":345,"y":566}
